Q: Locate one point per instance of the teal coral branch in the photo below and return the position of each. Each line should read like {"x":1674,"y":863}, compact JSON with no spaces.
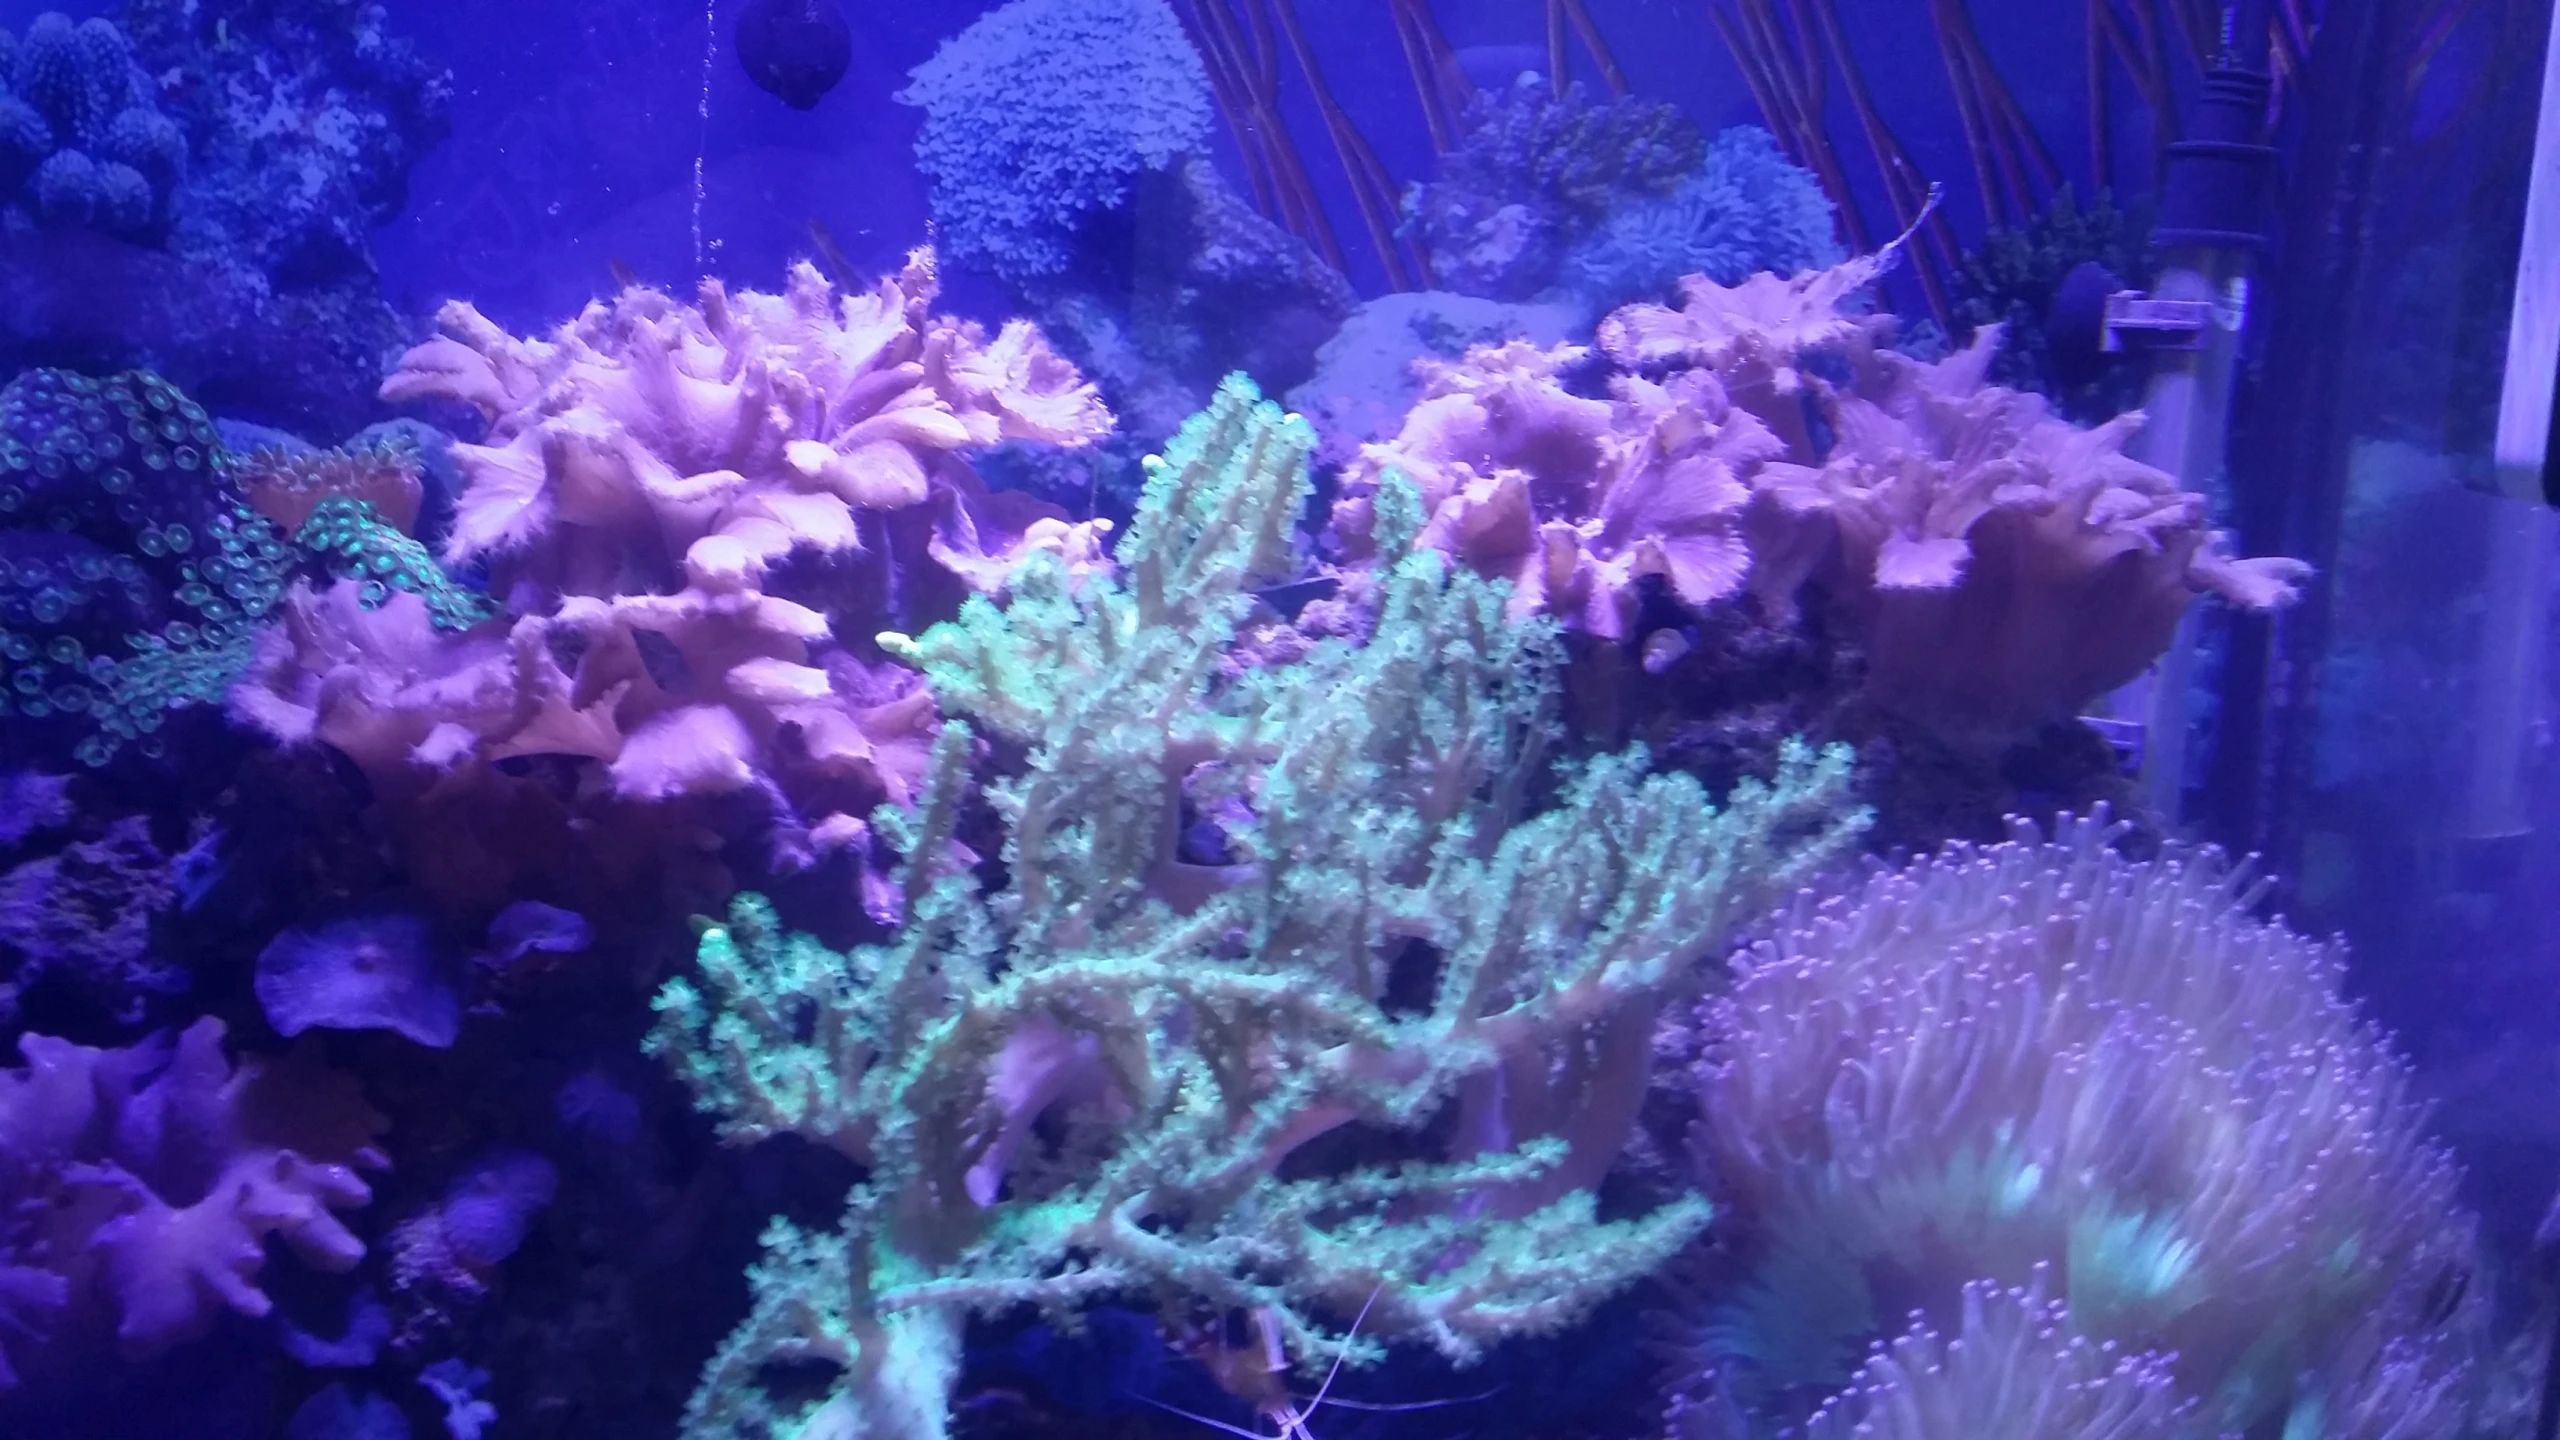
{"x":1086,"y":1081}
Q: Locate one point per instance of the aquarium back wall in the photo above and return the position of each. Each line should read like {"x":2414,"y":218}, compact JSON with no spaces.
{"x":576,"y":130}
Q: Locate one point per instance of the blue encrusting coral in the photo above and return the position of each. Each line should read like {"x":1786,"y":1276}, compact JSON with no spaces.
{"x":1043,"y":114}
{"x":211,"y":169}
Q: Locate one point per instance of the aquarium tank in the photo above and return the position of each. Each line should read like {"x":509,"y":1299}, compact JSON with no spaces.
{"x":1301,"y":719}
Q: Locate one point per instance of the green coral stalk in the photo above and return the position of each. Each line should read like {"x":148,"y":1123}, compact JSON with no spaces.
{"x":1189,"y":1017}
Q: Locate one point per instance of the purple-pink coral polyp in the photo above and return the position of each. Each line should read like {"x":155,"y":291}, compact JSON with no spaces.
{"x":147,"y":1180}
{"x":365,"y":972}
{"x":2042,"y":1053}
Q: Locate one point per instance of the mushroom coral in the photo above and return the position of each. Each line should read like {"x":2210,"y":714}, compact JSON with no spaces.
{"x":149,"y":1179}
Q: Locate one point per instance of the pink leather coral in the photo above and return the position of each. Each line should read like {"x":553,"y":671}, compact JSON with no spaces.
{"x":647,"y":443}
{"x":1572,"y":499}
{"x":2000,"y":566}
{"x":699,"y":517}
{"x":147,"y":1181}
{"x":2006,"y":566}
{"x":1753,"y":333}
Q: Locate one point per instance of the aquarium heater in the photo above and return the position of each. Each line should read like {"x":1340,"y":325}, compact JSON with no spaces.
{"x":2188,"y":325}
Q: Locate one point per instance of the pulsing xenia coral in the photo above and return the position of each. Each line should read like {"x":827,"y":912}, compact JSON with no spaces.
{"x":1041,"y":113}
{"x":1532,"y":176}
{"x":2042,"y":1054}
{"x":1104,"y":1077}
{"x":1746,"y":209}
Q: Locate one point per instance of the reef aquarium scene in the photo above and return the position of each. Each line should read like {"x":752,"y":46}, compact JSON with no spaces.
{"x":1294,"y":719}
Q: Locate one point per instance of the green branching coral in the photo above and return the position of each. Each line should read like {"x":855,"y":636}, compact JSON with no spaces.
{"x":1103,"y":1077}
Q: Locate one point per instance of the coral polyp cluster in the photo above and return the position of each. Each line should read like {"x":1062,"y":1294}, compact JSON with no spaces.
{"x":82,"y":138}
{"x":131,"y":575}
{"x":2043,"y":1060}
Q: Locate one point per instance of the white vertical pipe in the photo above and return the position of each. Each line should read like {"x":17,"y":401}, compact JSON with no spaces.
{"x":2507,"y":706}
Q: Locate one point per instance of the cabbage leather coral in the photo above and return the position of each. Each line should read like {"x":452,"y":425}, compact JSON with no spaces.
{"x":2041,"y":1055}
{"x":648,"y":445}
{"x":1571,"y":499}
{"x":1998,"y":566}
{"x":2004,"y":565}
{"x":144,"y":1184}
{"x":698,"y":517}
{"x":2001,"y":566}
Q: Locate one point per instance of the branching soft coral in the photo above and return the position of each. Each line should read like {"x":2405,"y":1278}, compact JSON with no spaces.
{"x":699,"y":516}
{"x":146,"y":1181}
{"x":1106,"y":1076}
